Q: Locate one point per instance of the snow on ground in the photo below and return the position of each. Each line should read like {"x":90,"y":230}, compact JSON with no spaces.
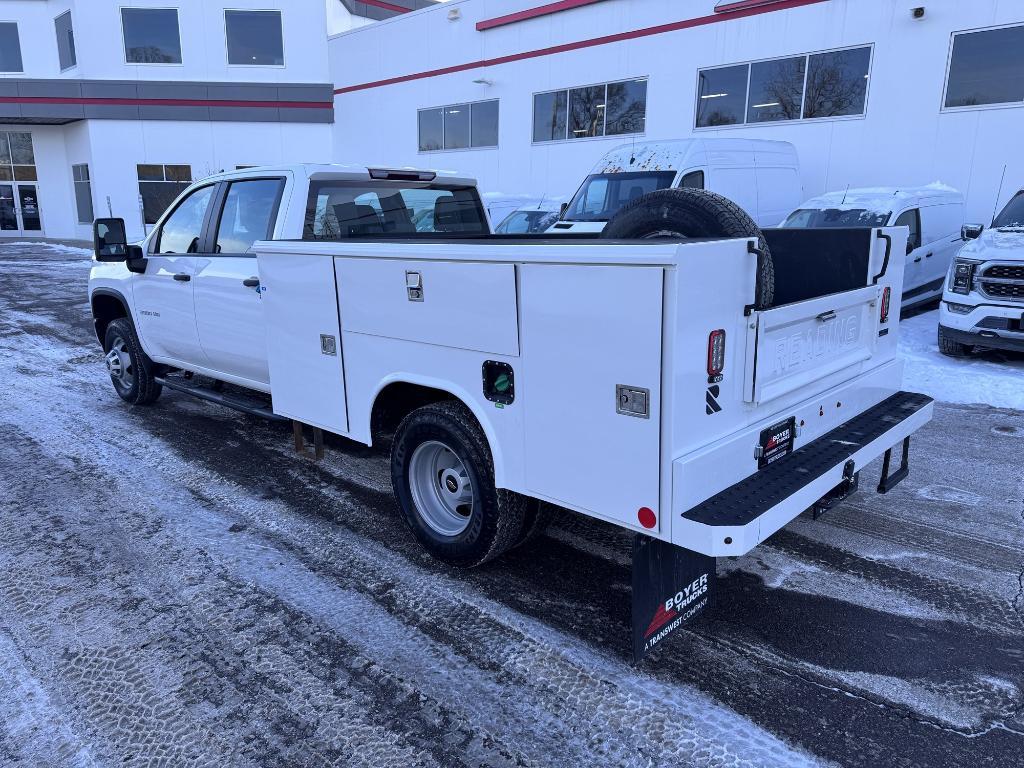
{"x":994,"y":379}
{"x":70,"y":250}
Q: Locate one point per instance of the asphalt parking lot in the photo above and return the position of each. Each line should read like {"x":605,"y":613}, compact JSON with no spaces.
{"x":178,"y":588}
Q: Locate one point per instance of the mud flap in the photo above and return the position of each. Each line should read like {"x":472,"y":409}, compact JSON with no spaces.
{"x":671,"y":587}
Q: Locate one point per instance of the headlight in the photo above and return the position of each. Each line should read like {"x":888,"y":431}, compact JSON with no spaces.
{"x":962,"y":276}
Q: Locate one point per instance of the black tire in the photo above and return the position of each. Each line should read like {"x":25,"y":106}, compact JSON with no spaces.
{"x":496,"y":520}
{"x":539,"y":516}
{"x":140,"y":388}
{"x":690,"y":213}
{"x":951,"y":348}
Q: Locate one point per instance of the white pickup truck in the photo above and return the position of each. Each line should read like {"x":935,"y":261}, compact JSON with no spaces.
{"x":983,"y":302}
{"x":702,"y":392}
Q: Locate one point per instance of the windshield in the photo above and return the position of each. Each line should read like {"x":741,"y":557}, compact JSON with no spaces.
{"x":603,"y":194}
{"x":526,"y":222}
{"x":813,"y":218}
{"x":1012,"y":216}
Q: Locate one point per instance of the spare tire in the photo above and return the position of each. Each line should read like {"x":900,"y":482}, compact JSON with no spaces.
{"x":680,"y":214}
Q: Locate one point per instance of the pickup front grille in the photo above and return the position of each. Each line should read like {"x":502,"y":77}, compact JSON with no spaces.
{"x":1005,"y":272}
{"x":1003,"y":290}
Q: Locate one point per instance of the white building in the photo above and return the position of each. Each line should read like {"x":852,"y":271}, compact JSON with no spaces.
{"x":114,"y":106}
{"x":526,"y":95}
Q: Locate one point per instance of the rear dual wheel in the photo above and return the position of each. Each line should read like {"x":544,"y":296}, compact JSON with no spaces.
{"x":443,"y":476}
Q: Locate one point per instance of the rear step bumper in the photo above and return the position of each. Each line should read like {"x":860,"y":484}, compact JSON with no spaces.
{"x":745,"y":514}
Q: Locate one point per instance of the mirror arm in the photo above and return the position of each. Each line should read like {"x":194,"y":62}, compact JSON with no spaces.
{"x":136,"y":261}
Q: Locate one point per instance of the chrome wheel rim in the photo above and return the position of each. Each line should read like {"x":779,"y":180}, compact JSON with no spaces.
{"x":441,"y":488}
{"x":119,"y":363}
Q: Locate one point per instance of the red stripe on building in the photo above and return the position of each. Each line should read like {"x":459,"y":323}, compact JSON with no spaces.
{"x":533,"y":13}
{"x":386,"y":6}
{"x":778,"y":5}
{"x":164,"y":102}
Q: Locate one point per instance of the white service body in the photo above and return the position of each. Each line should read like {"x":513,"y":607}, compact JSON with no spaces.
{"x":330,"y":325}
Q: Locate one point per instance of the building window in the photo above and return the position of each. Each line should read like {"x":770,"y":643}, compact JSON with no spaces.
{"x":83,"y":193}
{"x":254,"y":38}
{"x":459,"y":126}
{"x":818,"y":85}
{"x":151,"y":35}
{"x":986,"y":68}
{"x":10,"y":48}
{"x":65,"y":41}
{"x":17,"y":159}
{"x":609,"y":109}
{"x":159,"y":185}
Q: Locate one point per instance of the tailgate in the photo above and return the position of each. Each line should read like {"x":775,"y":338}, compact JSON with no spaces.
{"x":795,"y":345}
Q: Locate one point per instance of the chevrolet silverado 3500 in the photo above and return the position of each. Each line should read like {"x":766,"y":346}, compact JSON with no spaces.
{"x":685,"y":376}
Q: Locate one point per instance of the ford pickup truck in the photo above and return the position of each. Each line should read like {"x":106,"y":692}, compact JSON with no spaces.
{"x":983,"y":302}
{"x":700,"y":392}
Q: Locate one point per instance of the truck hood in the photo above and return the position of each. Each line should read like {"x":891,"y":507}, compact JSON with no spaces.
{"x":996,"y":244}
{"x":565,"y":227}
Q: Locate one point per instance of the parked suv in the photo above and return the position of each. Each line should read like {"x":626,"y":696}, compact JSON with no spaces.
{"x":934,"y":215}
{"x":983,"y":304}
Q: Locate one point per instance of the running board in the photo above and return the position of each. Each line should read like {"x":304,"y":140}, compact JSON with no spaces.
{"x":242,"y":404}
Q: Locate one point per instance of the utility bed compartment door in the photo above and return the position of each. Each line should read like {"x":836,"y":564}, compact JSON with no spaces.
{"x":466,"y":305}
{"x":588,"y":330}
{"x":798,"y":344}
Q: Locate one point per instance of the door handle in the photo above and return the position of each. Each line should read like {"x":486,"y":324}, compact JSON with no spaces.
{"x":181,"y":277}
{"x":825,"y":317}
{"x":928,"y":255}
{"x":917,"y":260}
{"x":251,"y":282}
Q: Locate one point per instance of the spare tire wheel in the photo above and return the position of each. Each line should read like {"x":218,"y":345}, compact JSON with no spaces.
{"x":680,"y":214}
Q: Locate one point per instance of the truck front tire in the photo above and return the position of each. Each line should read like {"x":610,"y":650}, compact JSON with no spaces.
{"x":130,"y":369}
{"x":691,"y":213}
{"x":949,"y":347}
{"x":443,"y":478}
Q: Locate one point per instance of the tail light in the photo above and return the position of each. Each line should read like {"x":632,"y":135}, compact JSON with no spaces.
{"x":886,"y":296}
{"x":716,"y":353}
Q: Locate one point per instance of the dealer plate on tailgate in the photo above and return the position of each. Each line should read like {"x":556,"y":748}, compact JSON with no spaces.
{"x":776,"y":442}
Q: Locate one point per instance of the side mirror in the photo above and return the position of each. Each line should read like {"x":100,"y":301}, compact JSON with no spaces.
{"x":110,"y":243}
{"x":562,"y":209}
{"x":971,"y":231}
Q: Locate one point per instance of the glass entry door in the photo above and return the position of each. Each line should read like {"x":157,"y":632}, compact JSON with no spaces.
{"x":8,"y":211}
{"x":19,"y":188}
{"x":19,"y":210}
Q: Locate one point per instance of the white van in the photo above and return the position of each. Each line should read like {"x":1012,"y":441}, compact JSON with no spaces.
{"x":934,"y":214}
{"x":762,"y":177}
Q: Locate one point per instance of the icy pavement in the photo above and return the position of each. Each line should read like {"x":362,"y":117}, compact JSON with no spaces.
{"x":178,"y":588}
{"x":988,"y":378}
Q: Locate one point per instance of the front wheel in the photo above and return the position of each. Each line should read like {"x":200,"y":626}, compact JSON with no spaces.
{"x":130,"y":369}
{"x":949,"y":347}
{"x":443,"y":478}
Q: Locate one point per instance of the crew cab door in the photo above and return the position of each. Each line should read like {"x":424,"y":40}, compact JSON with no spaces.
{"x":229,"y":306}
{"x":163,"y":295}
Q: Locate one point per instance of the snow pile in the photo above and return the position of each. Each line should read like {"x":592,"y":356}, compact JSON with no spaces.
{"x":994,"y":379}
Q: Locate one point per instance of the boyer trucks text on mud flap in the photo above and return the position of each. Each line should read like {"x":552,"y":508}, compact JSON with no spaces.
{"x":700,"y":388}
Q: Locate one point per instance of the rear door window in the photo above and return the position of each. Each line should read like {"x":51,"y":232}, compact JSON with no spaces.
{"x":248,"y":214}
{"x":338,"y":210}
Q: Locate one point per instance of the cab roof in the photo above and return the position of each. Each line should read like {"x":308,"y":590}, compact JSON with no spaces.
{"x":341,"y":171}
